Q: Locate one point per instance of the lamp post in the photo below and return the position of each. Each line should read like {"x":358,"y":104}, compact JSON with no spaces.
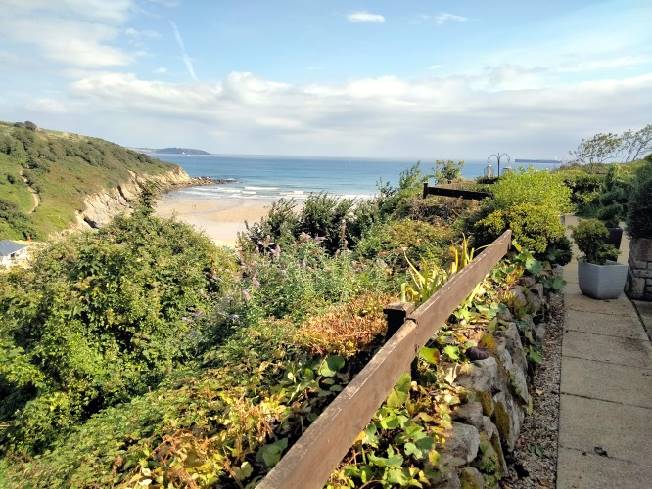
{"x":497,"y":157}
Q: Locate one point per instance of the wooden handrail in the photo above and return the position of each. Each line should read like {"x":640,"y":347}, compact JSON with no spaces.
{"x":310,"y":461}
{"x":454,"y":193}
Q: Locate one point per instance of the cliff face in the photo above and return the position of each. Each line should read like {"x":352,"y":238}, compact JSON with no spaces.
{"x":100,"y":208}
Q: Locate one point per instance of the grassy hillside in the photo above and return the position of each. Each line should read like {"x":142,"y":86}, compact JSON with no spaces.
{"x":45,"y":175}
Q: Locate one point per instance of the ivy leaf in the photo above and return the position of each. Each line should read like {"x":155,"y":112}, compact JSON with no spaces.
{"x":452,"y":352}
{"x":331,"y":365}
{"x":244,"y":471}
{"x":533,"y":266}
{"x":412,"y":450}
{"x":430,"y":355}
{"x":270,"y":454}
{"x":400,"y":392}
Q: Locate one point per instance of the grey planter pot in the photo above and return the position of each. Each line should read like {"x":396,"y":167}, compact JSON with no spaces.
{"x":602,"y":281}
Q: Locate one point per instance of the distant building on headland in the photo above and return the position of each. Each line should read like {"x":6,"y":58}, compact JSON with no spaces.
{"x":12,"y":253}
{"x":531,"y":161}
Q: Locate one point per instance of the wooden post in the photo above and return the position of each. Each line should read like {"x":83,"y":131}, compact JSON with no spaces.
{"x":396,"y":313}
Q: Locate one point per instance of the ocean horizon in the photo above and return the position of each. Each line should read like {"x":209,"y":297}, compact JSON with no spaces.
{"x":273,"y":177}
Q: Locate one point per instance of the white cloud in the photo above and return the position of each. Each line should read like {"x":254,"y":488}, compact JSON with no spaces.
{"x":115,"y":11}
{"x":463,"y":115}
{"x":444,"y":17}
{"x":47,"y":105}
{"x":73,"y":43}
{"x":365,"y":17}
{"x":187,"y":61}
{"x":74,"y":33}
{"x":161,"y":70}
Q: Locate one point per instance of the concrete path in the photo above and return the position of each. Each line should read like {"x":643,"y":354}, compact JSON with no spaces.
{"x":605,"y":423}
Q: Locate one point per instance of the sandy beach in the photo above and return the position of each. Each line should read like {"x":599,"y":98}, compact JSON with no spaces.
{"x":220,"y":218}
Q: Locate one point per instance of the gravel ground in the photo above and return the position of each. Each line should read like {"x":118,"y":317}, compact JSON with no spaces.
{"x":534,"y":461}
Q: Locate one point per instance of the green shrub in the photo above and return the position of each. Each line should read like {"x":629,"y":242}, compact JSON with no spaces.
{"x":100,"y":317}
{"x":325,"y":216}
{"x":303,"y":278}
{"x":614,"y":197}
{"x":591,"y":235}
{"x":278,"y":225}
{"x":541,"y":188}
{"x":448,"y":171}
{"x":17,"y":223}
{"x":639,"y":218}
{"x":534,"y":226}
{"x":394,"y":240}
{"x":559,"y":251}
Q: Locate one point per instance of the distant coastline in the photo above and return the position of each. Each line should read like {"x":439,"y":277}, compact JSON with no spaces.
{"x":172,"y":151}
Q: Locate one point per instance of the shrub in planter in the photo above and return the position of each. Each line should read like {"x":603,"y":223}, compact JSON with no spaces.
{"x":599,"y":275}
{"x":613,"y":203}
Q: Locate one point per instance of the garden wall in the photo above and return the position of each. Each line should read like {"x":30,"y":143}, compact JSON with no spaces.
{"x":496,"y":400}
{"x":639,"y":285}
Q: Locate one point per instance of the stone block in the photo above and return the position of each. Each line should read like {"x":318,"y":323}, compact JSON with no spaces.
{"x":637,"y":264}
{"x":514,"y":345}
{"x":641,"y":249}
{"x":471,"y":478}
{"x":641,"y":272}
{"x":470,"y":413}
{"x":461,"y":445}
{"x":540,"y":332}
{"x":508,"y":416}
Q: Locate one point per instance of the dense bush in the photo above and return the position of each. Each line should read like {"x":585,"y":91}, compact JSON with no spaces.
{"x":396,"y":239}
{"x":591,"y":236}
{"x":304,"y":278}
{"x":534,"y":226}
{"x":447,"y":171}
{"x":97,"y":318}
{"x":529,"y":203}
{"x":324,"y":216}
{"x":14,"y":223}
{"x":614,"y":196}
{"x":530,"y":186}
{"x":639,"y":218}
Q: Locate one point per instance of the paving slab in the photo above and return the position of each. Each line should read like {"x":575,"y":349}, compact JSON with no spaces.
{"x":622,"y":431}
{"x":614,"y":307}
{"x":591,"y":322}
{"x":588,"y":471}
{"x":620,"y":351}
{"x":604,"y":381}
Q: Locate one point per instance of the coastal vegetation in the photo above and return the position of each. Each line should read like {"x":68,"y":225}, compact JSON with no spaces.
{"x":143,"y":354}
{"x":46,"y":175}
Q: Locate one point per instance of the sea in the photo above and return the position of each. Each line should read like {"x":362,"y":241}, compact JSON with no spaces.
{"x":273,"y":177}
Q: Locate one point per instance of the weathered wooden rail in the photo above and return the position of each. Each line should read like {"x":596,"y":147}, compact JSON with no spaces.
{"x":310,"y":461}
{"x":454,"y":193}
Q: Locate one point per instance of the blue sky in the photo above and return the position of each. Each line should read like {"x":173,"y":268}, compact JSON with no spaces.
{"x":420,"y":79}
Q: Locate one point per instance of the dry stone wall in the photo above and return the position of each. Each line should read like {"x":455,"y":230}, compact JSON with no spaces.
{"x":487,"y":424}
